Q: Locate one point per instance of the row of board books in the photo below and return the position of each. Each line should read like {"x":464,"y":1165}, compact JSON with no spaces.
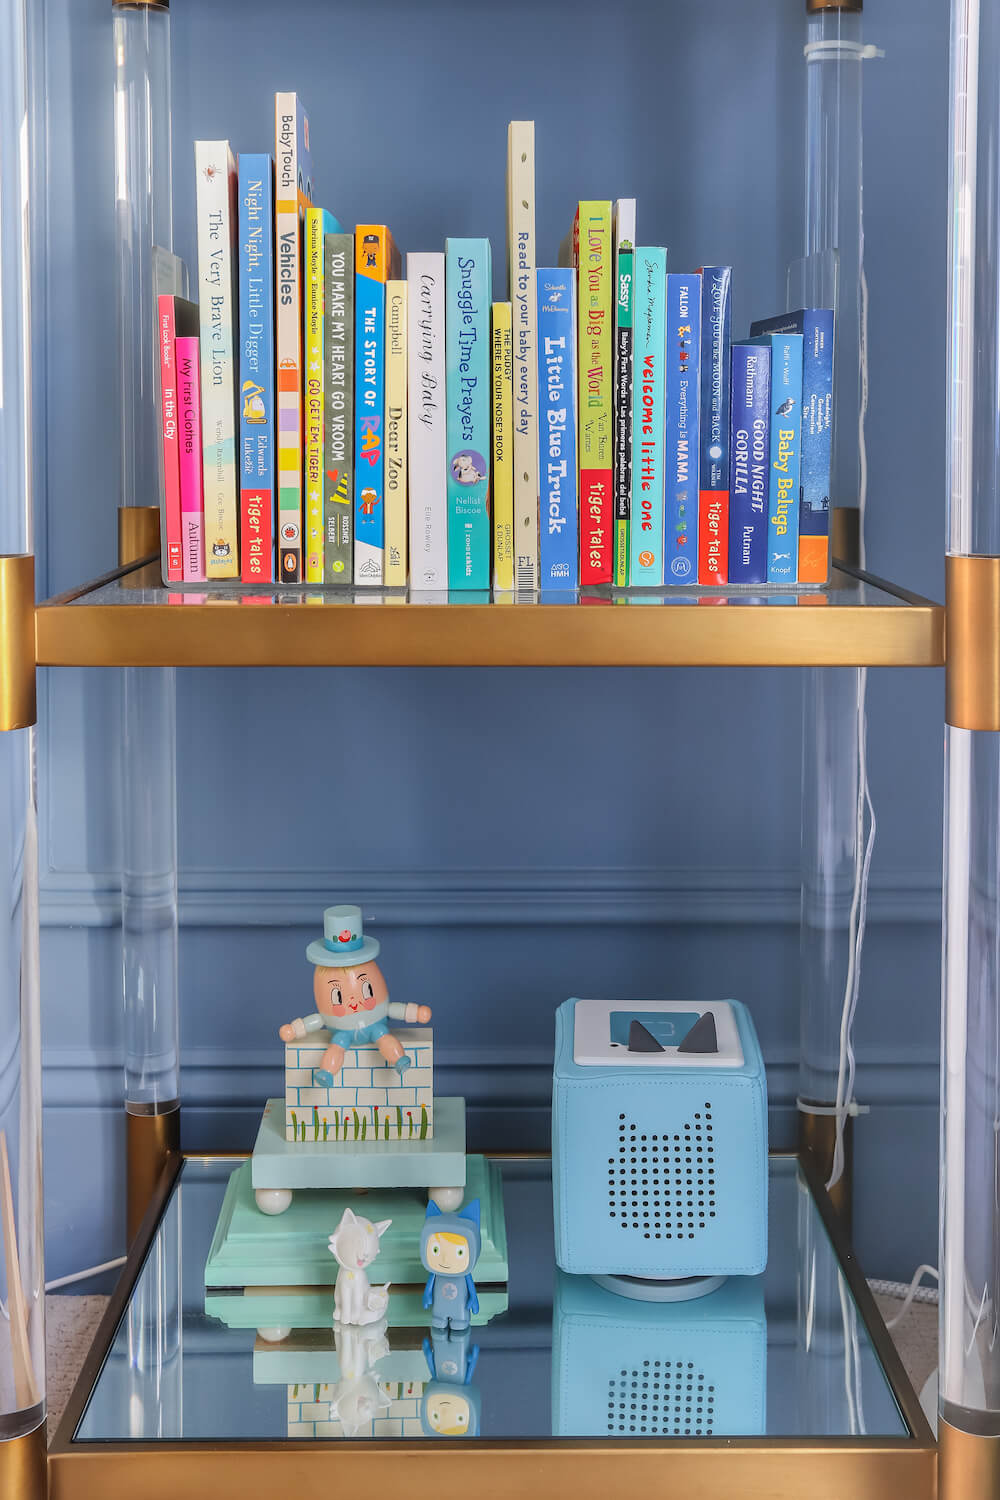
{"x":327,"y":421}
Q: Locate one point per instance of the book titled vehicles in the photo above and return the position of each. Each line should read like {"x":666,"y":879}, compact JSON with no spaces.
{"x":216,"y":218}
{"x":648,"y":405}
{"x":426,"y":431}
{"x":749,"y":450}
{"x":713,"y":507}
{"x":557,"y":473}
{"x":683,"y":453}
{"x":293,"y":195}
{"x":338,"y":409}
{"x":816,"y":327}
{"x":256,"y":399}
{"x":376,"y":261}
{"x":468,"y":297}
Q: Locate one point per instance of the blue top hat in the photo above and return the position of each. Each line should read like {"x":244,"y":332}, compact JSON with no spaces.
{"x":344,"y":944}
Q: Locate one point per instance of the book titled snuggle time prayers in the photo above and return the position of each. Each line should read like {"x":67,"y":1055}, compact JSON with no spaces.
{"x":468,"y":298}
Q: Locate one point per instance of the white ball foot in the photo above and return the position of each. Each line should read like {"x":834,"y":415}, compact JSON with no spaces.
{"x":273,"y":1335}
{"x":273,"y":1200}
{"x":447,"y":1199}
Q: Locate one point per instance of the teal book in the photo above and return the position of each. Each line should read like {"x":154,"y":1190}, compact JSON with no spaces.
{"x":649,"y":288}
{"x":468,"y":295}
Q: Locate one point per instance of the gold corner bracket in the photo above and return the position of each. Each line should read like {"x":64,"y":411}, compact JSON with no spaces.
{"x":968,"y":1465}
{"x":23,"y":1466}
{"x":17,"y":641}
{"x":140,"y":4}
{"x":812,"y":6}
{"x":972,"y":642}
{"x":817,"y":1136}
{"x":138,"y":533}
{"x":150,"y":1140}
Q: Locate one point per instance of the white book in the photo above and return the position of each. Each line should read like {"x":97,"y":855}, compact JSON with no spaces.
{"x":428,"y":448}
{"x":215,"y":171}
{"x":521,"y":284}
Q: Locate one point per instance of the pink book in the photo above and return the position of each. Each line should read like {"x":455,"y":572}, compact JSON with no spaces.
{"x":192,"y":507}
{"x":168,"y":426}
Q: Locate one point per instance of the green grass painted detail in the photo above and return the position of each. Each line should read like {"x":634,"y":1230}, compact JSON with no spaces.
{"x":423,"y":1122}
{"x":336,"y":1124}
{"x":355,"y":1113}
{"x":295,"y":1126}
{"x":315,"y":1123}
{"x":364,"y":1127}
{"x":399,"y":1123}
{"x":409,"y":1116}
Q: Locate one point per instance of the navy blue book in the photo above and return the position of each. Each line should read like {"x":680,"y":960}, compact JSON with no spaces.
{"x":749,"y":448}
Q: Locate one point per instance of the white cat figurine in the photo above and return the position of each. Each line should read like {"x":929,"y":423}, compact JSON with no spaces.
{"x":354,"y":1244}
{"x":359,"y":1396}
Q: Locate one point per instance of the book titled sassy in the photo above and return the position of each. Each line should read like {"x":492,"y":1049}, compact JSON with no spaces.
{"x":468,"y":299}
{"x":558,"y":546}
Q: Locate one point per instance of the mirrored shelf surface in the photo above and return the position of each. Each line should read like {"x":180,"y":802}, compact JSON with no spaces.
{"x":130,"y":621}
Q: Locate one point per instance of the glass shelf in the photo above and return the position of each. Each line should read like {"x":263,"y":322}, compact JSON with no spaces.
{"x":126,"y":620}
{"x":790,"y":1363}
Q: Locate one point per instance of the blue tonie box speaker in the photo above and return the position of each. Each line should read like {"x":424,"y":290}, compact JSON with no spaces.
{"x":659,"y":1139}
{"x":658,"y":1369}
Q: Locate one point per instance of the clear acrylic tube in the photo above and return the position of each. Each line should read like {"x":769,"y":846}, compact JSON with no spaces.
{"x":146,"y":266}
{"x":970,"y":1061}
{"x":22,"y":1326}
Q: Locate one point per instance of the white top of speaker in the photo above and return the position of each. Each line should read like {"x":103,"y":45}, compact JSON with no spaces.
{"x":667,"y":1034}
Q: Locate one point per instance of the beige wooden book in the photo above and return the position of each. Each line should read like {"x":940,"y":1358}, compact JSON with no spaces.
{"x":521,"y":284}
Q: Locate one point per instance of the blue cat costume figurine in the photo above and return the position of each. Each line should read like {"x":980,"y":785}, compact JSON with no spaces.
{"x":450,"y":1405}
{"x":449,"y":1249}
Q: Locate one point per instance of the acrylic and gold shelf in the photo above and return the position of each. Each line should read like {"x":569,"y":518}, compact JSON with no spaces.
{"x":126,"y":619}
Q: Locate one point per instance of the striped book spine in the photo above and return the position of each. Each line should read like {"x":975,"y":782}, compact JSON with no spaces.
{"x":318,"y":224}
{"x":338,"y":409}
{"x":503,"y":457}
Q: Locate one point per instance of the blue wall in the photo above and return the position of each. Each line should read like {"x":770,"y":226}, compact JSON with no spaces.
{"x":681,"y":881}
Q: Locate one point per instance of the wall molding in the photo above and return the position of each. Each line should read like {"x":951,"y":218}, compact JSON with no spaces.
{"x":555,"y":896}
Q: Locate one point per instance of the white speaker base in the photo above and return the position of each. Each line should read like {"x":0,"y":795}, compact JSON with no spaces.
{"x":642,"y":1289}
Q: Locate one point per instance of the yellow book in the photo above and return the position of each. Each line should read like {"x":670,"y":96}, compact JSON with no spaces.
{"x":521,"y":290}
{"x":395,"y":435}
{"x":503,"y":458}
{"x":318,"y":223}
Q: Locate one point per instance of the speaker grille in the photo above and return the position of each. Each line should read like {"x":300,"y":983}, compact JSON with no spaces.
{"x":661,"y":1398}
{"x":662,"y":1185}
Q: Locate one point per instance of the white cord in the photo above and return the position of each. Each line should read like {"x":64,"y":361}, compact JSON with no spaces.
{"x":109,"y":1265}
{"x":910,"y":1294}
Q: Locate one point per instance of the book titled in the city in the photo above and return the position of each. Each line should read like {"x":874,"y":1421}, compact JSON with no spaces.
{"x":785,"y":452}
{"x":376,"y":261}
{"x":624,"y":234}
{"x":192,"y":498}
{"x":256,"y":272}
{"x":396,"y":514}
{"x":502,"y":487}
{"x":468,"y":298}
{"x":816,"y":326}
{"x":216,"y":214}
{"x":521,"y":257}
{"x":293,"y":193}
{"x":683,"y":450}
{"x":592,"y":239}
{"x":557,"y":477}
{"x":318,"y":224}
{"x":648,"y":403}
{"x":749,"y":450}
{"x":713,"y":507}
{"x":338,"y":408}
{"x":426,"y":429}
{"x":177,"y":318}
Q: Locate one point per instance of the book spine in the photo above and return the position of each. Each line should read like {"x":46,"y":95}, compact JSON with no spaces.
{"x":786,"y":448}
{"x":256,"y":270}
{"x":338,"y":409}
{"x":624,"y":336}
{"x":521,"y":256}
{"x":683,"y":443}
{"x":396,"y":516}
{"x":192,"y":501}
{"x":216,"y":205}
{"x":428,"y":457}
{"x":558,"y":546}
{"x":817,"y":446}
{"x":648,"y":432}
{"x":503,"y":457}
{"x":748,"y":463}
{"x":595,"y":386}
{"x":293,"y":193}
{"x":372,"y":254}
{"x":468,"y":294}
{"x":713,"y":498}
{"x":173,"y":557}
{"x":317,"y":224}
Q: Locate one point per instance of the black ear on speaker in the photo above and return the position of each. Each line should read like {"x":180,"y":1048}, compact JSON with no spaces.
{"x":642,"y":1040}
{"x":701,"y":1038}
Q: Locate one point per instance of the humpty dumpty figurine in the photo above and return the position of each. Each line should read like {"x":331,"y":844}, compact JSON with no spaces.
{"x":352,"y":999}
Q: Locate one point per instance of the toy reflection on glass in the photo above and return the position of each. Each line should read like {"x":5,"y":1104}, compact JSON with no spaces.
{"x":352,"y":998}
{"x":449,"y":1249}
{"x":359,"y":1396}
{"x":450,"y":1406}
{"x":354,"y":1245}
